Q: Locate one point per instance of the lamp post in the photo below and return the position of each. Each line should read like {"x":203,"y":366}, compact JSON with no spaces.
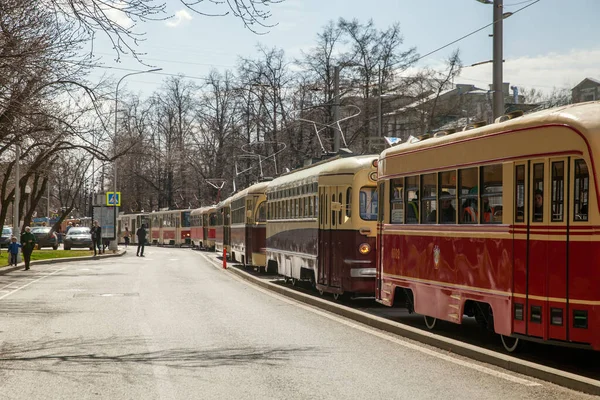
{"x":114,"y":244}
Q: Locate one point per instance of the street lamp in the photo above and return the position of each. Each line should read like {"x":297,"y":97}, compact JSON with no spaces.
{"x":114,"y":244}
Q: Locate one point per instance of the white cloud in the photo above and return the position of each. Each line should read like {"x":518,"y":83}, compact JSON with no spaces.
{"x":118,"y":16}
{"x":544,"y":72}
{"x":179,"y":18}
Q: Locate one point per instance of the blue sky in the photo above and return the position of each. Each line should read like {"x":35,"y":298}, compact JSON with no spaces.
{"x":553,"y":43}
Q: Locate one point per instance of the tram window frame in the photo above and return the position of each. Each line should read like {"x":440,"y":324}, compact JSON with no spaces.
{"x":381,"y":199}
{"x":557,"y":192}
{"x":414,"y":201}
{"x":333,"y":219}
{"x":494,"y":214}
{"x":349,"y":202}
{"x":581,"y":191}
{"x":442,"y":197}
{"x":429,"y":202}
{"x":463,"y":198}
{"x":519,"y":192}
{"x":538,"y":184}
{"x":340,"y":212}
{"x":397,"y":201}
{"x":320,"y":210}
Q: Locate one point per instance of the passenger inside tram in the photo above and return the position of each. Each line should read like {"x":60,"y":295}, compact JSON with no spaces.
{"x":538,"y":213}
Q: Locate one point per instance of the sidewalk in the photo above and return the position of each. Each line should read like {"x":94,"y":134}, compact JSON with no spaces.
{"x":6,"y":268}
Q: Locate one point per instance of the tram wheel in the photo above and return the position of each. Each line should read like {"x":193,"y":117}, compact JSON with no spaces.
{"x":294,"y":282}
{"x":321,"y":293}
{"x":511,"y":344}
{"x":286,"y":279}
{"x":430,"y":322}
{"x":338,"y":296}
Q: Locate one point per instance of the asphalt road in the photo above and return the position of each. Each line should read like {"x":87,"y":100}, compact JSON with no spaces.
{"x":173,"y":326}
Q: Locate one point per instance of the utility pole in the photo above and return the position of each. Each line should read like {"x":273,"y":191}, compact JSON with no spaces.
{"x":16,"y":231}
{"x":336,"y":108}
{"x":379,"y":116}
{"x":498,"y":94}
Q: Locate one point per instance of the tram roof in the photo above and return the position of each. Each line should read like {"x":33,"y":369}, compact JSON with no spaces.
{"x":311,"y":173}
{"x":201,"y":210}
{"x":585,"y":117}
{"x":257,"y":188}
{"x":169,"y":211}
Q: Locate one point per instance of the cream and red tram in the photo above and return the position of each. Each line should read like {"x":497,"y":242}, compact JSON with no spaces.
{"x":133,"y":222}
{"x":248,"y":225}
{"x":500,"y":223}
{"x":199,"y":228}
{"x":223,"y":227}
{"x":322,"y":225}
{"x":170,"y":227}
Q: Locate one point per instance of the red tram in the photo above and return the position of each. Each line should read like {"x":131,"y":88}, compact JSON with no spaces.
{"x":500,"y":223}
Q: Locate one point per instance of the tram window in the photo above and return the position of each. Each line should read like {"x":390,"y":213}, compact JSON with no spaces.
{"x":315,"y":206}
{"x":468,"y":196}
{"x":447,"y":197}
{"x":558,"y":190}
{"x":340,"y":213}
{"x":538,"y":193}
{"x":380,"y":206}
{"x":260,"y":214}
{"x":520,"y":193}
{"x":349,"y":202}
{"x":332,"y":212}
{"x":397,"y":201}
{"x":411,"y":193}
{"x":429,"y":199}
{"x":581,"y":187}
{"x":368,"y":203}
{"x":491,"y":194}
{"x":321,"y":209}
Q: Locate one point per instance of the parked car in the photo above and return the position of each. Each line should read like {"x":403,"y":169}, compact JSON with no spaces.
{"x":78,"y":237}
{"x":6,"y":235}
{"x":45,"y":237}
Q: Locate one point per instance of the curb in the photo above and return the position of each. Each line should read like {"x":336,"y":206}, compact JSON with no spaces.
{"x":528,"y":368}
{"x":6,"y":270}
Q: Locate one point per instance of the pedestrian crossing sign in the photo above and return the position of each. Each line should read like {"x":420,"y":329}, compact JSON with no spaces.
{"x":112,"y":199}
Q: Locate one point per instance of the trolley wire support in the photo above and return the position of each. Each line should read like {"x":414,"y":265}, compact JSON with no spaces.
{"x":217,"y":183}
{"x":320,"y":126}
{"x":252,"y":149}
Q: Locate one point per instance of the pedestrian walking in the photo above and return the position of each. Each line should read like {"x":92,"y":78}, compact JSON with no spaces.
{"x":126,"y":236}
{"x":13,"y":250}
{"x":141,"y":236}
{"x":97,"y":238}
{"x":28,"y":243}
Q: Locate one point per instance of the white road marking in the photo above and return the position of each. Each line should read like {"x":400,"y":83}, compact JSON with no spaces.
{"x":385,"y":336}
{"x":27,"y":284}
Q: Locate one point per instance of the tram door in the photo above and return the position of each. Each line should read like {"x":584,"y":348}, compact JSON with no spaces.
{"x":337,"y":262}
{"x":325,"y":235}
{"x":249,"y":228}
{"x":540,"y":248}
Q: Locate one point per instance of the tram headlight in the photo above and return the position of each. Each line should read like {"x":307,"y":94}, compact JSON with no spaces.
{"x":364,"y":248}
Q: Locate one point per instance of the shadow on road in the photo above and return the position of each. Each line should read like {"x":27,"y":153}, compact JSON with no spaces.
{"x":52,"y":355}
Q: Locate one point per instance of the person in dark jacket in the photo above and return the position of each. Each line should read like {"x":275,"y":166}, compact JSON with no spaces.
{"x":141,"y":236}
{"x":28,"y":243}
{"x":97,"y":238}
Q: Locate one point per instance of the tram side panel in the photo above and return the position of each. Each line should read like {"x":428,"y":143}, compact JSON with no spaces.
{"x":292,"y":246}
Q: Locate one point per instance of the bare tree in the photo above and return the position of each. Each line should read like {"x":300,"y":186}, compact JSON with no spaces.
{"x":375,"y":57}
{"x":119,"y":20}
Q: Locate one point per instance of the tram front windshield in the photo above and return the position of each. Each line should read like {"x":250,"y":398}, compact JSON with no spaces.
{"x":368,"y":203}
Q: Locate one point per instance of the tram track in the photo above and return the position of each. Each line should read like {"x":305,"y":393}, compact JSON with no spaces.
{"x":581,"y":367}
